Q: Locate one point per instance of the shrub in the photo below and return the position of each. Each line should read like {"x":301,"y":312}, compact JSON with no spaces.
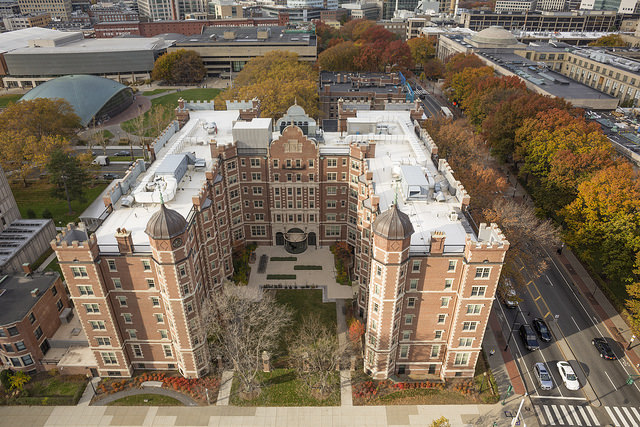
{"x":31,"y":213}
{"x":4,"y":378}
{"x":281,"y":277}
{"x":307,"y":267}
{"x":46,"y":213}
{"x":283,"y":258}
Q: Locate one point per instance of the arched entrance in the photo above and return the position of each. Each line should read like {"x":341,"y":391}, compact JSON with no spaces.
{"x":279,"y":239}
{"x":295,"y":241}
{"x":311,"y":238}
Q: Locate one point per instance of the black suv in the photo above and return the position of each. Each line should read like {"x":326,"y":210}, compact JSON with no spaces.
{"x":529,"y":338}
{"x":604,"y":348}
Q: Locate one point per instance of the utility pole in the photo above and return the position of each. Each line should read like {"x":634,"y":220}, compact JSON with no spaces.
{"x":515,"y":419}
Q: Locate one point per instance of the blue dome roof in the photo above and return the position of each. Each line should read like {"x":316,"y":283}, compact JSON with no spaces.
{"x":86,"y":94}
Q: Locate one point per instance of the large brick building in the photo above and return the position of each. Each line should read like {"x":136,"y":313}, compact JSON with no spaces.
{"x":423,"y":279}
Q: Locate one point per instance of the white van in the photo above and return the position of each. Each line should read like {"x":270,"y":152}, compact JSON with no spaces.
{"x":101,"y":160}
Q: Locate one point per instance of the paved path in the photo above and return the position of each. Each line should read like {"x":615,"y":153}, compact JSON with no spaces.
{"x":185,"y":400}
{"x":46,"y":262}
{"x":225,"y":388}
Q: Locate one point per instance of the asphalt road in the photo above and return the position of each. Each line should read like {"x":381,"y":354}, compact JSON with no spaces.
{"x":573,"y":323}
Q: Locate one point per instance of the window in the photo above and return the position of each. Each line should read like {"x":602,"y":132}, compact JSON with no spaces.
{"x":2,"y":333}
{"x":159,"y":317}
{"x":85,"y":290}
{"x":378,"y":271}
{"x":112,"y":265}
{"x":435,"y":350}
{"x":38,"y":332}
{"x":151,"y":283}
{"x":137,"y":350}
{"x":332,"y":176}
{"x":411,"y":302}
{"x":413,"y":284}
{"x":406,"y":335}
{"x":27,"y":360}
{"x":133,"y":334}
{"x":332,"y":191}
{"x":416,"y":266}
{"x":372,"y":339}
{"x":167,"y":350}
{"x":146,"y":265}
{"x":478,"y":291}
{"x":15,"y":361}
{"x":182,"y":270}
{"x":376,"y":307}
{"x":255,"y":163}
{"x":13,"y":331}
{"x":258,"y":230}
{"x":275,"y":163}
{"x":32,"y":318}
{"x":448,"y":284}
{"x":155,"y":301}
{"x":79,"y":271}
{"x":127,"y":317}
{"x":258,"y":204}
{"x":444,"y":301}
{"x":374,"y":324}
{"x":97,"y":325}
{"x":20,"y":346}
{"x":483,"y":272}
{"x":256,"y":176}
{"x":469,"y":326}
{"x":441,"y":318}
{"x":332,"y":231}
{"x":117,"y":283}
{"x":404,"y":351}
{"x":408,"y":319}
{"x":461,"y":359}
{"x":332,"y":163}
{"x":54,"y":291}
{"x":103,"y":340}
{"x":109,"y":358}
{"x":163,"y":333}
{"x":91,"y":308}
{"x":438,"y":335}
{"x":331,"y":204}
{"x":122,"y":301}
{"x":466,"y":342}
{"x":474,"y":308}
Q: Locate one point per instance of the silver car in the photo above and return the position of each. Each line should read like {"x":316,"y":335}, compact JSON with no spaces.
{"x":543,"y":376}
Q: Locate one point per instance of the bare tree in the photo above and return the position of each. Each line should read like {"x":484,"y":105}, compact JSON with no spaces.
{"x":100,"y":139}
{"x":240,"y":325}
{"x":138,"y":123}
{"x":158,"y":118}
{"x":315,"y":354}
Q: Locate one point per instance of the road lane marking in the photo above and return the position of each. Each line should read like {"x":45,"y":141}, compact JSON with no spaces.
{"x":575,"y":323}
{"x":559,"y":397}
{"x":635,"y":411}
{"x":590,"y":412}
{"x":558,"y":416}
{"x":549,"y":416}
{"x":622,"y":418}
{"x":582,"y":412}
{"x":614,"y":386}
{"x":566,"y":414}
{"x":550,"y":281}
{"x":626,"y":411}
{"x":520,"y":360}
{"x":575,"y":416}
{"x":613,"y":417}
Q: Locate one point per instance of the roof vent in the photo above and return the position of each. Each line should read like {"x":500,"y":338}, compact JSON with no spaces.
{"x":229,"y":35}
{"x":34,"y":292}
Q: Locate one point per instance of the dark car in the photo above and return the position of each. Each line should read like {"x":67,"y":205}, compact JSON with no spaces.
{"x":542,"y":329}
{"x":529,"y":338}
{"x":123,"y":153}
{"x":604,"y":348}
{"x":110,"y":176}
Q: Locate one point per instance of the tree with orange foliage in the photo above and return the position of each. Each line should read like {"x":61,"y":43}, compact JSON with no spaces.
{"x":356,"y":331}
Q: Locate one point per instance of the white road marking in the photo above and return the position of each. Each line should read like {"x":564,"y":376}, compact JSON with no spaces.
{"x":622,"y":418}
{"x":584,"y":415}
{"x":590,"y":412}
{"x":626,"y":411}
{"x":575,"y":323}
{"x":574,"y":414}
{"x":613,"y":417}
{"x":549,"y":416}
{"x":559,"y":397}
{"x":558,"y":416}
{"x":610,"y":380}
{"x":566,"y":414}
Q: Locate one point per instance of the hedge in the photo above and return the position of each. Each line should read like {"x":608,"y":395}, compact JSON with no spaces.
{"x":307,"y":267}
{"x":283,"y":258}
{"x":281,"y":276}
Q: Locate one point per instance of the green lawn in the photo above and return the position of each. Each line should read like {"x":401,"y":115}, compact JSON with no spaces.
{"x":154,"y":92}
{"x":37,"y":197}
{"x":123,"y":158}
{"x":45,"y":389}
{"x":305,"y":303}
{"x":281,"y":387}
{"x":170,"y":101}
{"x":6,"y":99}
{"x":151,"y":400}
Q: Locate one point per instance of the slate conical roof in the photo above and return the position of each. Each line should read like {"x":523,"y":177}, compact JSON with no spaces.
{"x":393,"y":224}
{"x":165,"y":224}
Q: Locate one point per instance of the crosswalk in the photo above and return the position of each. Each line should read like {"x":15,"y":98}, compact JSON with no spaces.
{"x":567,"y":415}
{"x":573,"y":415}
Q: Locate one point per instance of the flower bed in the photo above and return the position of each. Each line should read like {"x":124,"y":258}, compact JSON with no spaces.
{"x":386,"y":392}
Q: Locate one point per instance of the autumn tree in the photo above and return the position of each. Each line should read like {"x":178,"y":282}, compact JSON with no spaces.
{"x":279,"y":80}
{"x":603,"y":222}
{"x":339,"y":57}
{"x":488,"y":94}
{"x":40,"y":117}
{"x":422,"y":50}
{"x":241,"y":325}
{"x":324,"y":35}
{"x":633,"y":301}
{"x":67,"y":175}
{"x":610,"y":40}
{"x":178,"y":67}
{"x":460,"y":85}
{"x":315,"y":354}
{"x":353,"y":29}
{"x":460,"y":61}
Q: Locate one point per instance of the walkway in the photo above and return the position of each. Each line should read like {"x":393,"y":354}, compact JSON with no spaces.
{"x":224,"y":393}
{"x":185,"y":400}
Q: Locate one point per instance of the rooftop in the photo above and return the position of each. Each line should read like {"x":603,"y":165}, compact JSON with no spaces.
{"x":275,"y":34}
{"x":402,"y":169}
{"x":116,"y":44}
{"x":17,"y":39}
{"x":15,"y":294}
{"x":17,"y":235}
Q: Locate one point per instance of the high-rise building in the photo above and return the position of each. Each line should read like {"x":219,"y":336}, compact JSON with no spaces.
{"x":424,"y":280}
{"x":58,"y":9}
{"x":621,"y":6}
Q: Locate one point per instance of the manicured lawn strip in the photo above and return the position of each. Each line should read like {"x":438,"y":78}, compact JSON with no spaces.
{"x":43,"y":389}
{"x":307,"y":267}
{"x":281,"y":277}
{"x":37,"y":197}
{"x":154,"y":92}
{"x":123,"y":158}
{"x":152,"y":400}
{"x":283,"y":258}
{"x":6,"y":99}
{"x":283,"y":388}
{"x":305,"y":303}
{"x":483,"y":384}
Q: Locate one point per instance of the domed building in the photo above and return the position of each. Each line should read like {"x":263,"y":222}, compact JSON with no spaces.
{"x":493,"y":38}
{"x":90,"y":96}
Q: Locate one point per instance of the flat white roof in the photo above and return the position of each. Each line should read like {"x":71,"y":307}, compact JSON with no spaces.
{"x":116,"y":44}
{"x":18,"y":39}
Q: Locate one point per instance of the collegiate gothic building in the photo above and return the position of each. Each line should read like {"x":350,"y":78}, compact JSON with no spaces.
{"x":424,"y":279}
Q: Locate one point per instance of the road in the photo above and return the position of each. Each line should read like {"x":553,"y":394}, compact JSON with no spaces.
{"x":429,"y":102}
{"x":604,"y":393}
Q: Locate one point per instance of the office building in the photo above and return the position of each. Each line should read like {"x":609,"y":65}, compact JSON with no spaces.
{"x":58,"y":9}
{"x":574,"y":21}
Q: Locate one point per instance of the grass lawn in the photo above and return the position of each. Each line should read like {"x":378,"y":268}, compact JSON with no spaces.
{"x":37,"y":197}
{"x":45,"y":389}
{"x":151,"y":400}
{"x":123,"y":158}
{"x":281,"y":387}
{"x":305,"y":303}
{"x":6,"y":99}
{"x":170,"y":101}
{"x":154,"y":92}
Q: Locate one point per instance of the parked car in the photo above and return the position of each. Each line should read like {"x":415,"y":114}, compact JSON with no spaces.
{"x":543,"y":376}
{"x":108,"y":176}
{"x":529,"y":338}
{"x":569,"y":377}
{"x":123,"y":153}
{"x":508,"y":294}
{"x":604,"y":348}
{"x":542,"y":329}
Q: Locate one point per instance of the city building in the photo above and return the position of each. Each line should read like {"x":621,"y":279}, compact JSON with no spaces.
{"x":395,"y":25}
{"x":69,"y":53}
{"x":514,"y":5}
{"x":225,"y":9}
{"x":111,"y":14}
{"x":19,"y":22}
{"x":58,"y":9}
{"x":369,"y":11}
{"x":296,"y":14}
{"x":415,"y":25}
{"x":225,"y":50}
{"x":32,"y":307}
{"x":551,"y":5}
{"x":92,"y":98}
{"x":9,"y":8}
{"x":424,"y":280}
{"x":389,"y":7}
{"x":334,"y":16}
{"x":621,"y":6}
{"x":574,"y":21}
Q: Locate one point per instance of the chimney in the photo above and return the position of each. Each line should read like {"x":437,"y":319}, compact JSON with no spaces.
{"x":26,"y":267}
{"x":437,"y":242}
{"x":125,"y":242}
{"x":35,"y":292}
